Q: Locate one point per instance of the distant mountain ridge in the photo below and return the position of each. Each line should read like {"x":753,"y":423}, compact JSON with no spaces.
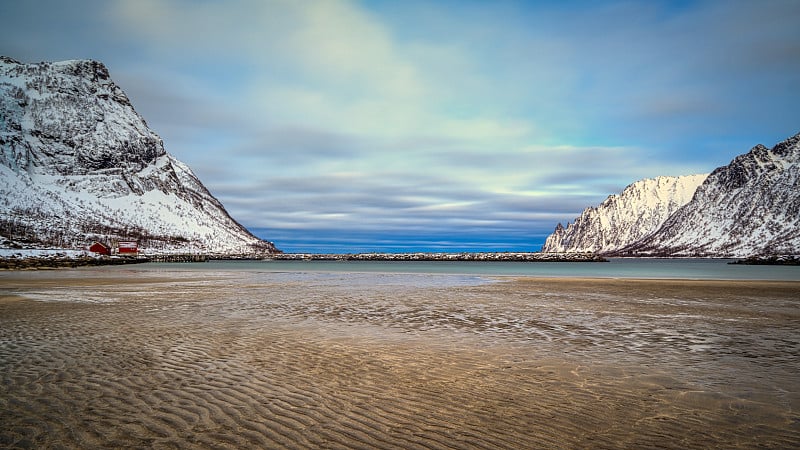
{"x":78,"y":163}
{"x":749,"y":207}
{"x":623,"y":219}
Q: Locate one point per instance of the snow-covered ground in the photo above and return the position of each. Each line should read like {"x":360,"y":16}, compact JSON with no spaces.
{"x":43,"y":253}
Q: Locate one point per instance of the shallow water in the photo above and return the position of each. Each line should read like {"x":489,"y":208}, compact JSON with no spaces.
{"x":210,"y":355}
{"x":658,"y":268}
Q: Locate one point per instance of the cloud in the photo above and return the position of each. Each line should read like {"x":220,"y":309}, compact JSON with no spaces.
{"x":326,"y":62}
{"x":615,"y":69}
{"x":447,"y":122}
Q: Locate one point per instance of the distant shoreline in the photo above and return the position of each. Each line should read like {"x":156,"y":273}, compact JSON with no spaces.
{"x":426,"y":256}
{"x":783,"y":260}
{"x":59,"y":261}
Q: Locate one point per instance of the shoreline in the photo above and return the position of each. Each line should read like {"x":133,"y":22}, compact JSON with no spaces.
{"x":487,"y":271}
{"x":62,"y":262}
{"x":14,"y":280}
{"x":441,"y":256}
{"x":20,"y":279}
{"x":62,"y":259}
{"x":732,"y":286}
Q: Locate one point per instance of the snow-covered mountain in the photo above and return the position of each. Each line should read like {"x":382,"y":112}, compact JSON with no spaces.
{"x":623,"y":219}
{"x":749,"y":207}
{"x":77,"y":164}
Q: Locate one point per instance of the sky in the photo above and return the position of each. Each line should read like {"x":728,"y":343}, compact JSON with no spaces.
{"x":453,"y":125}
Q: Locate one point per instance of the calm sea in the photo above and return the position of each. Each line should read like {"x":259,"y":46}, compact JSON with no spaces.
{"x":655,"y":268}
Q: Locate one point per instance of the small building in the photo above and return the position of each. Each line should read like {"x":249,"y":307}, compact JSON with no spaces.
{"x":128,"y":248}
{"x":99,"y":248}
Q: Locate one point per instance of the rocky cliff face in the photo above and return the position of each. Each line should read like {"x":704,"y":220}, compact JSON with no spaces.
{"x":77,"y":163}
{"x":749,"y":207}
{"x":623,"y":219}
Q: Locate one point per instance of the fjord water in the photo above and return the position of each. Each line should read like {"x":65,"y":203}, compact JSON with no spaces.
{"x":238,"y":354}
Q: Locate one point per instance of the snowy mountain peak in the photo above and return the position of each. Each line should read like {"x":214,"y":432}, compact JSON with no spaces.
{"x":78,"y":163}
{"x":623,"y":219}
{"x":69,"y":118}
{"x":749,"y":207}
{"x":788,"y":148}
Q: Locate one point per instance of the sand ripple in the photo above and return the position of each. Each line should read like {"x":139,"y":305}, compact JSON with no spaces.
{"x":222,"y":363}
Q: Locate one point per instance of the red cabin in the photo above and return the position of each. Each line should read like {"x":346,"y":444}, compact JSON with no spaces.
{"x":100,"y":248}
{"x":128,"y":247}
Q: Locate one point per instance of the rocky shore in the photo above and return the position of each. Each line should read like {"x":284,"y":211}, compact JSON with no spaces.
{"x":772,"y":260}
{"x":65,"y":260}
{"x":62,"y":262}
{"x":489,"y":256}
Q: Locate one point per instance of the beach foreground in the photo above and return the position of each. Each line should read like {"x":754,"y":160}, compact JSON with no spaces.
{"x":116,"y":358}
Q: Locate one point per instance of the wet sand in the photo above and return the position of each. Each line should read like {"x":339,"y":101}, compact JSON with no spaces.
{"x":112,"y":360}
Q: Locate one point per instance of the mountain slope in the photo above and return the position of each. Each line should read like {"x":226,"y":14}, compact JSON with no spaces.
{"x":77,"y":163}
{"x":625,"y":218}
{"x":749,"y":207}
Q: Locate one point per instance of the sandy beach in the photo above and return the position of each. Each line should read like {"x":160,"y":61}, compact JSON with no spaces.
{"x":115,"y":359}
